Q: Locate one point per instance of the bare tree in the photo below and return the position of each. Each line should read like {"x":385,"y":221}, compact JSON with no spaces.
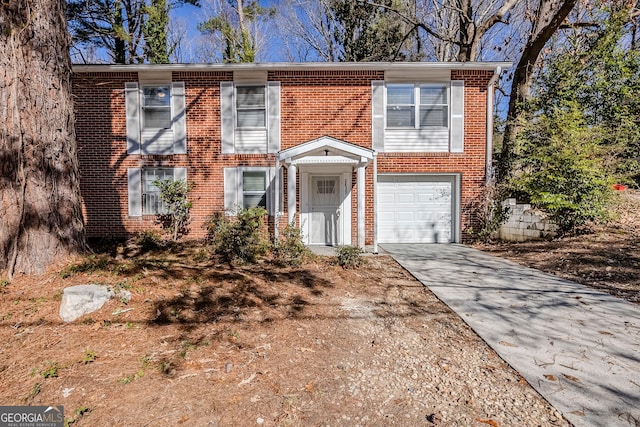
{"x":311,"y":28}
{"x":41,"y":217}
{"x":548,"y":17}
{"x":235,"y":25}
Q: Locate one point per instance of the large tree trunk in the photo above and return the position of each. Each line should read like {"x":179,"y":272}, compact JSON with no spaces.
{"x":550,"y":15}
{"x":41,"y":215}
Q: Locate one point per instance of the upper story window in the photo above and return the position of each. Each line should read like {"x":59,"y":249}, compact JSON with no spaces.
{"x":250,"y":117}
{"x":417,"y":106}
{"x":156,"y":118}
{"x":251,"y":109}
{"x":156,"y":107}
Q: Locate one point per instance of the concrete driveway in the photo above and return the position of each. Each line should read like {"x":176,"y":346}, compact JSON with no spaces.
{"x":578,"y":347}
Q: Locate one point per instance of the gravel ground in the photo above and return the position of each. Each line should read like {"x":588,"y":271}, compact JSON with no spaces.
{"x":211,"y":345}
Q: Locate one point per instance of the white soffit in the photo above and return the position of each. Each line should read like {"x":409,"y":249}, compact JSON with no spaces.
{"x":314,"y":160}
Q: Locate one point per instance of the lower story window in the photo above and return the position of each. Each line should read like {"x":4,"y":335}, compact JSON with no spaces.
{"x":151,"y":202}
{"x":254,"y":189}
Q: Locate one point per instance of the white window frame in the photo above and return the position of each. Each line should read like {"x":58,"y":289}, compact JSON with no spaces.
{"x":243,"y":192}
{"x":417,"y":107}
{"x":160,"y":208}
{"x":239,"y":108}
{"x":144,"y":107}
{"x":234,"y":191}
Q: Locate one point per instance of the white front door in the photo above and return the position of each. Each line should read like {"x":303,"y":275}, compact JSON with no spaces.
{"x":325,"y":210}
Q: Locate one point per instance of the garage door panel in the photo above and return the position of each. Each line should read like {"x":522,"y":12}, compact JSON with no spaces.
{"x":415,"y":208}
{"x":405,"y":198}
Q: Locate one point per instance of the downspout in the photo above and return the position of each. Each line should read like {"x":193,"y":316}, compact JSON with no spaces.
{"x":489,"y":149}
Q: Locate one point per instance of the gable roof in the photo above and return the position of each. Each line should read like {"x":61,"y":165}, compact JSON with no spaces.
{"x":318,"y":150}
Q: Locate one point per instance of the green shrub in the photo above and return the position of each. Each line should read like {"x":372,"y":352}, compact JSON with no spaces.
{"x":175,"y":194}
{"x":562,"y":168}
{"x":290,"y":250}
{"x":349,"y":256}
{"x":240,"y":238}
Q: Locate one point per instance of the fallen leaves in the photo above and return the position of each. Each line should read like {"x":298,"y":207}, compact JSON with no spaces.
{"x":488,"y":421}
{"x":571,"y":378}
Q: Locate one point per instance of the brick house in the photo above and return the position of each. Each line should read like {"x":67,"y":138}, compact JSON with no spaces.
{"x":354,"y":153}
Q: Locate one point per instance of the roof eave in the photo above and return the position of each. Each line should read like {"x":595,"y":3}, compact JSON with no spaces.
{"x":292,"y":66}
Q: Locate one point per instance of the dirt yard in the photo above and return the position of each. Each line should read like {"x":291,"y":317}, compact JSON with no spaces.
{"x":204,"y":344}
{"x":607,"y":257}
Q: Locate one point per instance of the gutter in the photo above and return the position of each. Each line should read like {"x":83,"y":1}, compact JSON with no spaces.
{"x":289,"y":66}
{"x":489,"y":149}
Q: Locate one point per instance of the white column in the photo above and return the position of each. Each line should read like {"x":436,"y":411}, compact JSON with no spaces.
{"x":361,"y":204}
{"x":291,"y":192}
{"x":276,"y":202}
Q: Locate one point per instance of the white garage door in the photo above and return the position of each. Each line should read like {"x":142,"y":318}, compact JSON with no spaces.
{"x":415,"y":208}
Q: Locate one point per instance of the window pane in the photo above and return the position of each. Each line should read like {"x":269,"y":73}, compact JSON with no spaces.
{"x":251,"y":96}
{"x":152,"y":204}
{"x":399,"y":94}
{"x":251,"y":118}
{"x":159,"y":96}
{"x":430,"y":95}
{"x":157,"y":118}
{"x":400,"y":117}
{"x":434,"y":116}
{"x":254,"y":181}
{"x":253,"y":200}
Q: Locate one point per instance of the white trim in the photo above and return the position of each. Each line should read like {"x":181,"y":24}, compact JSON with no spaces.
{"x":375,"y":202}
{"x":489,"y":149}
{"x":361,"y":205}
{"x":291,"y":193}
{"x":322,"y":143}
{"x":292,"y":66}
{"x":322,"y":160}
{"x":304,"y":207}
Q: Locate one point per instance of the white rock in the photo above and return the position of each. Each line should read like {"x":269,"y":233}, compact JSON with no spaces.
{"x":83,"y":299}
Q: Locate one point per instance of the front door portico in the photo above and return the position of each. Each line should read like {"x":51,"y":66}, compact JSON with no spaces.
{"x":325,"y":169}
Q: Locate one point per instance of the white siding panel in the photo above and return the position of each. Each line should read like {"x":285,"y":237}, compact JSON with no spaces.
{"x":251,"y":140}
{"x":157,"y":141}
{"x":417,"y":140}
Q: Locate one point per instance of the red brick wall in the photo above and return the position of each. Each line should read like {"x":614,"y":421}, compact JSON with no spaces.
{"x":313,"y":104}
